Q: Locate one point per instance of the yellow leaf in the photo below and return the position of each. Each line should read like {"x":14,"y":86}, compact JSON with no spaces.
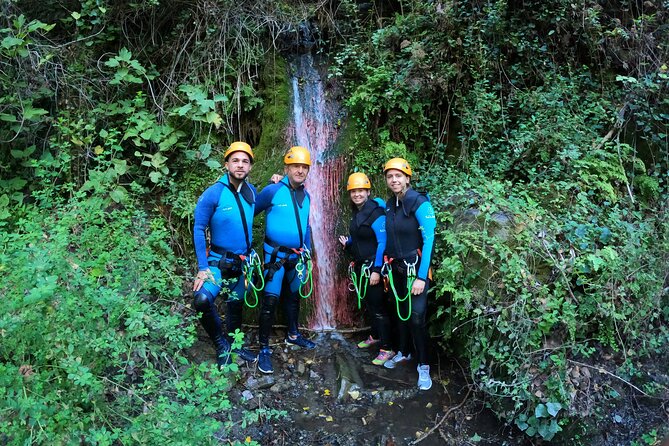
{"x":98,"y":150}
{"x":329,"y":418}
{"x":248,"y":440}
{"x":326,"y":392}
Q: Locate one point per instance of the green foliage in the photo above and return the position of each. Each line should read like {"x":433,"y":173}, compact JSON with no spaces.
{"x":91,"y":348}
{"x":534,"y":286}
{"x":127,"y":68}
{"x":545,"y":152}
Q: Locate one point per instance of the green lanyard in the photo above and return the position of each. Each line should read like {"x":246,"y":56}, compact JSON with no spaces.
{"x":250,"y":267}
{"x":411,"y":277}
{"x":360,"y":286}
{"x":304,"y":270}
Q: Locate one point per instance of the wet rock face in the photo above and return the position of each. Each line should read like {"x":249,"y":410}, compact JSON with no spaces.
{"x":301,"y":38}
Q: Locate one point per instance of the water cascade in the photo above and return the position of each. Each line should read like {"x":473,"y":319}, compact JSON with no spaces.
{"x":314,"y":127}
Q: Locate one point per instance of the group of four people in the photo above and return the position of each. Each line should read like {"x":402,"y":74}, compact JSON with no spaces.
{"x":394,"y":239}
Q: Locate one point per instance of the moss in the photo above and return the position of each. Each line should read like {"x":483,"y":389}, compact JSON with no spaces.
{"x":275,"y":115}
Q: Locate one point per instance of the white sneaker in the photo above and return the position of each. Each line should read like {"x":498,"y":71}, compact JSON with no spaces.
{"x":397,"y":359}
{"x":424,"y":380}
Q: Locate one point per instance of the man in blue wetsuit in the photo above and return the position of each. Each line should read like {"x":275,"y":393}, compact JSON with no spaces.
{"x":287,"y":237}
{"x":226,"y":208}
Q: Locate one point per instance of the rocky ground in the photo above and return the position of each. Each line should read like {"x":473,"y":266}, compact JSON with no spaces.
{"x":333,"y":395}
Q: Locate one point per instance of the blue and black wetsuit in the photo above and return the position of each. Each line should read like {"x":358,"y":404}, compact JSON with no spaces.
{"x":367,"y":243}
{"x":228,"y":213}
{"x":286,"y":228}
{"x":410,"y":226}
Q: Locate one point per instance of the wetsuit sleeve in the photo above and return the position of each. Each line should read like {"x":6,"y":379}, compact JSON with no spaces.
{"x":427,"y":224}
{"x":205,"y":208}
{"x":379,"y":228}
{"x":264,"y":198}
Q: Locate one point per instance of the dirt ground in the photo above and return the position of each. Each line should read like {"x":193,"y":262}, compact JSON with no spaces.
{"x":334,"y":395}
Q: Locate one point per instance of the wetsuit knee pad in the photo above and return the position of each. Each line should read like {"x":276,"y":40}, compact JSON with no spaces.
{"x":202,"y":300}
{"x":269,"y":301}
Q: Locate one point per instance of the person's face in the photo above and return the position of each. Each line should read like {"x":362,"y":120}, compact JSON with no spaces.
{"x":239,"y":165}
{"x":397,"y":180}
{"x":359,"y":196}
{"x":297,"y":173}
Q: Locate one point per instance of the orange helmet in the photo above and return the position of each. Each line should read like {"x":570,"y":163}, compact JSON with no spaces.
{"x":358,"y":180}
{"x":238,"y":146}
{"x":398,"y":163}
{"x":297,"y":155}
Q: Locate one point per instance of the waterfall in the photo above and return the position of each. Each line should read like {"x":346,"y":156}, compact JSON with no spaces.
{"x":313,"y":127}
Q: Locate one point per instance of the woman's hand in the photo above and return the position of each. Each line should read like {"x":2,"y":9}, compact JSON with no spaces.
{"x":202,"y":276}
{"x":343,"y":239}
{"x":417,"y":287}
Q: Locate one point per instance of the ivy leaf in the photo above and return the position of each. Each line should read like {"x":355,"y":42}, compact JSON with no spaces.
{"x":7,"y":117}
{"x":553,"y":408}
{"x":540,"y":411}
{"x":31,"y":113}
{"x":181,"y":111}
{"x":213,"y":164}
{"x":158,"y":160}
{"x":11,"y":42}
{"x":205,"y":150}
{"x":119,"y":194}
{"x":120,"y":166}
{"x":124,"y":54}
{"x":155,"y":176}
{"x":214,"y":118}
{"x":596,"y":261}
{"x":605,"y":235}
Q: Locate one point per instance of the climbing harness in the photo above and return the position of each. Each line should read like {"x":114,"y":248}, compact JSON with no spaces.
{"x":304,"y":269}
{"x":252,"y":268}
{"x":359,"y":285}
{"x":411,"y":277}
{"x":303,"y":266}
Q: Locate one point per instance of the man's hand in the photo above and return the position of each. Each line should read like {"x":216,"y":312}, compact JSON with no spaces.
{"x":202,"y":277}
{"x":276,"y":178}
{"x":374,"y":278}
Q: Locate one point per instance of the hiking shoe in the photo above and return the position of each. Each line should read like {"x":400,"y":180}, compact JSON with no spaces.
{"x":265,"y":360}
{"x":424,"y":380}
{"x":383,"y":356}
{"x":300,"y":341}
{"x":245,"y":354}
{"x":397,"y":359}
{"x":368,"y":342}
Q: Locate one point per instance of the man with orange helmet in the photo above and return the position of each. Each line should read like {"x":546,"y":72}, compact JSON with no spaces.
{"x":226,"y":208}
{"x":287,"y":237}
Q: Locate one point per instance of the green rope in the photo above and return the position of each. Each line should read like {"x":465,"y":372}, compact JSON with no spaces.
{"x":305,"y":264}
{"x":251,"y":266}
{"x":360,"y":286}
{"x":411,"y":277}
